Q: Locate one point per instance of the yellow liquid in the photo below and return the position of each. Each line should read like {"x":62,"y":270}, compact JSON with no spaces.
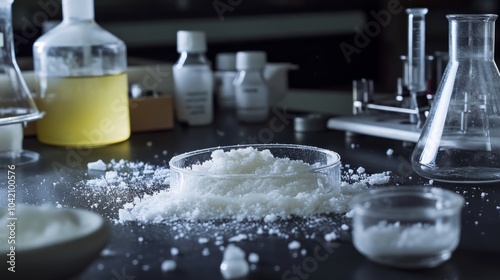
{"x":84,"y":111}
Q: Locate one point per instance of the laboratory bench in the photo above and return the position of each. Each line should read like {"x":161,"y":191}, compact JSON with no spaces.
{"x":136,"y":251}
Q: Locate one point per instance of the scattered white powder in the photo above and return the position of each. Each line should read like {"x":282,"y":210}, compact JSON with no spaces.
{"x":304,"y":194}
{"x":144,"y":188}
{"x":398,"y":240}
{"x":234,"y":265}
{"x":294,"y":245}
{"x":168,"y":265}
{"x":97,"y":165}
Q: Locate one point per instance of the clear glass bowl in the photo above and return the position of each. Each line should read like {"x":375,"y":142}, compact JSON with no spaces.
{"x":407,"y":227}
{"x":324,"y":171}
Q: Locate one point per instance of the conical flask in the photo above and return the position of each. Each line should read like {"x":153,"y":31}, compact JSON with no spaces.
{"x":460,"y":141}
{"x":16,"y":102}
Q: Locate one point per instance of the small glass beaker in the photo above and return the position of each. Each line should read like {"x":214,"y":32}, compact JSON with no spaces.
{"x":460,"y":141}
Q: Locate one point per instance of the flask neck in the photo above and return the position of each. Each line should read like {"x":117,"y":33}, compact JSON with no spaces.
{"x":472,"y":36}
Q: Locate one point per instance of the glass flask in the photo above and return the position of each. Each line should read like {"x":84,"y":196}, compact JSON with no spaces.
{"x":82,"y":81}
{"x":16,"y":103}
{"x":460,"y":141}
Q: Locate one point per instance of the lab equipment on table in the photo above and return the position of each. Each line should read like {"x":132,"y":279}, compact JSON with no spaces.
{"x":224,"y":77}
{"x":82,"y":81}
{"x":16,"y":103}
{"x":251,"y":88}
{"x":460,"y":141}
{"x":407,"y":227}
{"x":400,"y":117}
{"x":193,"y":79}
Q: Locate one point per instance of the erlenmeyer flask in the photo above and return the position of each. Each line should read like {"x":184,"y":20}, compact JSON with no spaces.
{"x":16,"y":102}
{"x":460,"y":141}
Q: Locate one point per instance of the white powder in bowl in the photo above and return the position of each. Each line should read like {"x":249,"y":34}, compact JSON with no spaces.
{"x":394,"y":239}
{"x":298,"y":193}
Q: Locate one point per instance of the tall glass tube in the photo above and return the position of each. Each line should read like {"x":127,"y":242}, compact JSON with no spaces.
{"x":460,"y":141}
{"x":416,"y":49}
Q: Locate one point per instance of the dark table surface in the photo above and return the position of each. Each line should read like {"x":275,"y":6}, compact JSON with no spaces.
{"x":53,"y":179}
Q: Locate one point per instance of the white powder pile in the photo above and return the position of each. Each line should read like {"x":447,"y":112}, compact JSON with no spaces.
{"x":270,"y":198}
{"x":395,"y":239}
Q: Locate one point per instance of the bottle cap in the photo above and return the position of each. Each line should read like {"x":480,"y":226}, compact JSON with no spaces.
{"x":225,"y":61}
{"x":78,"y":9}
{"x":251,"y":60}
{"x":191,"y":41}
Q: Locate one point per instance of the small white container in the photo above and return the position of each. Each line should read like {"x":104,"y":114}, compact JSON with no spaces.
{"x":193,"y":80}
{"x":407,"y":227}
{"x":251,"y":89}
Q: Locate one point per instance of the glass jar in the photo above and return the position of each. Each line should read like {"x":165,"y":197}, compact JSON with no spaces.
{"x":82,"y":81}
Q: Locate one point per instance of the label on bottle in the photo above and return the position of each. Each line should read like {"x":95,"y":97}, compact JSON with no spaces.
{"x":193,"y":94}
{"x":252,"y":102}
{"x":225,"y":88}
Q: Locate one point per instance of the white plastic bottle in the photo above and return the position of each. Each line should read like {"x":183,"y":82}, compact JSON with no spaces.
{"x":225,"y":63}
{"x":251,"y":89}
{"x":193,"y":80}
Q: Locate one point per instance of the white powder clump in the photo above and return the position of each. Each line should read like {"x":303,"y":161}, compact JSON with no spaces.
{"x":97,"y":165}
{"x":330,"y":236}
{"x":168,"y":265}
{"x":294,"y":245}
{"x":174,"y":251}
{"x":253,"y":257}
{"x":234,"y":265}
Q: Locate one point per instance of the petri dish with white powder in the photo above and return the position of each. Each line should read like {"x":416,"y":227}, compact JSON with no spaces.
{"x":265,"y":179}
